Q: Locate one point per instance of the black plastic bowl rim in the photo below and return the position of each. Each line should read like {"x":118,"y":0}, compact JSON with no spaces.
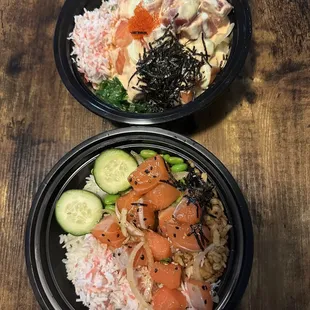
{"x":74,"y":82}
{"x":37,"y":251}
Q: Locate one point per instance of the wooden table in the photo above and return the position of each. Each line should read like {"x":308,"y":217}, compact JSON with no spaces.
{"x":260,"y":129}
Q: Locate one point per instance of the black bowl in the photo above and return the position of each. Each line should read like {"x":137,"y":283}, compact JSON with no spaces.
{"x":73,"y":80}
{"x":44,"y":254}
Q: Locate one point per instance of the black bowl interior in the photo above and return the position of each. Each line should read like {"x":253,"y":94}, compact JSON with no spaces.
{"x":44,"y":254}
{"x":74,"y":82}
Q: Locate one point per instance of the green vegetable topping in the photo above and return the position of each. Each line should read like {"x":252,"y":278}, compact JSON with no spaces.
{"x":110,"y":199}
{"x":179,"y":167}
{"x":113,"y":92}
{"x":110,"y":207}
{"x":166,"y":157}
{"x":175,"y":160}
{"x":166,"y":260}
{"x":147,"y":153}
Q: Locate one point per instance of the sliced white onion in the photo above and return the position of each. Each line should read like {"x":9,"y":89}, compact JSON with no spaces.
{"x":131,"y":229}
{"x":131,"y":278}
{"x":141,"y":217}
{"x":117,"y":212}
{"x":110,"y":212}
{"x":206,"y":73}
{"x":123,"y":222}
{"x":220,"y":37}
{"x":137,"y":157}
{"x":198,"y":262}
{"x":150,"y":264}
{"x":180,"y":175}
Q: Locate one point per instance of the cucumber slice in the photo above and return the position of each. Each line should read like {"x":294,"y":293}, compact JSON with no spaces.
{"x":78,"y":211}
{"x":112,"y":169}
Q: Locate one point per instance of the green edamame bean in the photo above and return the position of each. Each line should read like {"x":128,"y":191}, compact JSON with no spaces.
{"x":147,"y":153}
{"x":110,"y":199}
{"x":110,"y":207}
{"x":175,"y":160}
{"x":166,"y":157}
{"x":179,"y":167}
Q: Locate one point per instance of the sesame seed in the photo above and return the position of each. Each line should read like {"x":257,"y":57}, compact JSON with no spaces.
{"x":129,"y":247}
{"x":205,"y":301}
{"x":136,"y":183}
{"x":144,"y":219}
{"x":113,"y":254}
{"x":119,"y":254}
{"x":142,"y":257}
{"x":174,"y":235}
{"x":151,"y":168}
{"x":109,"y":240}
{"x":155,"y":270}
{"x":117,"y":236}
{"x":103,"y":235}
{"x":177,"y":227}
{"x":176,"y":268}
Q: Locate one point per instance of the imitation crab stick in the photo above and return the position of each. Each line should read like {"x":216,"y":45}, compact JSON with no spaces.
{"x":160,"y":246}
{"x":167,"y":299}
{"x":162,"y":196}
{"x":167,"y":274}
{"x":148,"y":175}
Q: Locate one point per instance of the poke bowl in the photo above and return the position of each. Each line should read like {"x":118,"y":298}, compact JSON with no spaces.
{"x":151,"y":61}
{"x":139,"y":218}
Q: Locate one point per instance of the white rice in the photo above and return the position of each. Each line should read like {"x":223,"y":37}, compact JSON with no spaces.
{"x":98,"y":280}
{"x":92,"y":36}
{"x":92,"y":186}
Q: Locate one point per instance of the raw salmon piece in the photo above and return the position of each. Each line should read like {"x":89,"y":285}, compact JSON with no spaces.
{"x":122,"y":36}
{"x":165,"y":216}
{"x":181,"y":237}
{"x":187,"y":213}
{"x":142,"y":216}
{"x":148,"y":175}
{"x":108,"y":232}
{"x":162,"y":196}
{"x":199,"y":293}
{"x":141,"y":258}
{"x":125,"y":202}
{"x":159,"y":245}
{"x":167,"y":274}
{"x":167,"y":299}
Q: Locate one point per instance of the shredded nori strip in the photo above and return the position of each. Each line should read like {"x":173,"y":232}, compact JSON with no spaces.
{"x":139,"y":204}
{"x":166,"y":69}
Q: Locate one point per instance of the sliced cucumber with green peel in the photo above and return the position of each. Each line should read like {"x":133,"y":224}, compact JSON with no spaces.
{"x":78,"y":211}
{"x":112,"y":169}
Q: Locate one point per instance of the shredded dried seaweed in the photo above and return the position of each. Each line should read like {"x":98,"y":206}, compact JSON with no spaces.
{"x":166,"y":69}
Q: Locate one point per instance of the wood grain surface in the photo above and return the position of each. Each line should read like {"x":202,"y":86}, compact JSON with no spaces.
{"x":260,"y":129}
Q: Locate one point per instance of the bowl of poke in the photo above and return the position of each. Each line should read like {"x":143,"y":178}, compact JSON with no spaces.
{"x":139,"y":218}
{"x":150,"y":61}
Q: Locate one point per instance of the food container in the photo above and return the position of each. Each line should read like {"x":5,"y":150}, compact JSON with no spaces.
{"x":74,"y":82}
{"x":44,"y":254}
